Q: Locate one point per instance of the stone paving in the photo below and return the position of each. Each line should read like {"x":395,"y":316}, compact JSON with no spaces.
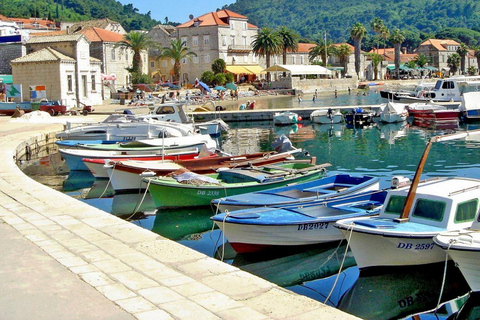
{"x":109,"y":268}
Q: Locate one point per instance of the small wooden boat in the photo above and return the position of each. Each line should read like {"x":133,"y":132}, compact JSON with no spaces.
{"x":326,"y":116}
{"x":433,"y":112}
{"x":286,"y":118}
{"x":190,"y":189}
{"x":403,"y":232}
{"x":74,"y":157}
{"x":127,"y":175}
{"x":308,"y":223}
{"x":316,"y":190}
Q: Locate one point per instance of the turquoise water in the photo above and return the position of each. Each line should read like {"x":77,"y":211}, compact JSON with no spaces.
{"x":379,"y":150}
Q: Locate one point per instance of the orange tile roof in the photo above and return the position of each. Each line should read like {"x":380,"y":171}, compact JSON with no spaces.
{"x":95,"y":34}
{"x":304,"y":47}
{"x":48,"y":33}
{"x":384,"y":51}
{"x":218,"y":18}
{"x":440,"y":44}
{"x":34,"y":23}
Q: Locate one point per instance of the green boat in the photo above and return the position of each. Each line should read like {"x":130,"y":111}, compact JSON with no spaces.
{"x":189,"y":189}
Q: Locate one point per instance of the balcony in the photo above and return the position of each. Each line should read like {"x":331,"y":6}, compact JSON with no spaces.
{"x":239,"y":48}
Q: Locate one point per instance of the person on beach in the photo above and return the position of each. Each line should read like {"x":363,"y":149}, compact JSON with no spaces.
{"x":299,"y":98}
{"x":314,"y":98}
{"x":336,"y":93}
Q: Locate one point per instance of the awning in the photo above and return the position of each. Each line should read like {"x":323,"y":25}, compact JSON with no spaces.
{"x":245,"y":69}
{"x":6,"y":78}
{"x":298,"y":69}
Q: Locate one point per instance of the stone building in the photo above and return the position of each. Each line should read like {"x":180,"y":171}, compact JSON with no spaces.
{"x":223,"y":34}
{"x":63,"y":65}
{"x":115,"y":59}
{"x":160,"y":70}
{"x":106,"y":24}
{"x":438,"y":50}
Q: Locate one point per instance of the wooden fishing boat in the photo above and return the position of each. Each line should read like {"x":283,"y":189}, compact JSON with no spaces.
{"x":308,"y":223}
{"x":127,"y":175}
{"x":191,"y":189}
{"x":316,"y":190}
{"x":403,"y":232}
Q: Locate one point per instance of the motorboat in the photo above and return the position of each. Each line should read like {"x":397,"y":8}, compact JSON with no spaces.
{"x":326,"y":116}
{"x":324,"y":188}
{"x":286,"y":118}
{"x":470,"y":107}
{"x":392,"y":112}
{"x":255,"y":229}
{"x":359,"y":117}
{"x":403,"y":232}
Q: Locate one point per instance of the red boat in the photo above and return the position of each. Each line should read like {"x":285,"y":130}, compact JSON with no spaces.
{"x":432,"y":112}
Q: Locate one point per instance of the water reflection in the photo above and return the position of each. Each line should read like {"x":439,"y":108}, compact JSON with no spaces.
{"x":392,"y":131}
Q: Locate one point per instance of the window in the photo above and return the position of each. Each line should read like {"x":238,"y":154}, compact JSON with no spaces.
{"x":232,"y":40}
{"x":195,"y":41}
{"x":207,"y":58}
{"x":84,"y":82}
{"x":94,"y":88}
{"x":466,"y":211}
{"x":244,"y":41}
{"x":293,"y":59}
{"x":302,"y":59}
{"x":448,"y":85}
{"x":113,"y":54}
{"x":429,"y":209}
{"x":164,"y":63}
{"x":206,"y":41}
{"x":224,"y":40}
{"x":152,"y":64}
{"x":70,"y":83}
{"x":126,"y":54}
{"x":184,"y":40}
{"x":244,"y":26}
{"x":195,"y":59}
{"x":395,"y":205}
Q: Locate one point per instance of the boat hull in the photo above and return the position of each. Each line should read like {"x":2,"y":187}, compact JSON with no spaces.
{"x":167,"y":193}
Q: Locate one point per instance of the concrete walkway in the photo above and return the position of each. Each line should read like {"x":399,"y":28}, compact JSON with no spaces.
{"x":63,"y":259}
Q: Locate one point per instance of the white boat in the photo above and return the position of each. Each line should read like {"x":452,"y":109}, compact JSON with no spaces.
{"x":326,"y":116}
{"x":463,"y":247}
{"x":403,"y":232}
{"x":392,"y":112}
{"x":286,"y":118}
{"x":470,"y":106}
{"x":125,"y":127}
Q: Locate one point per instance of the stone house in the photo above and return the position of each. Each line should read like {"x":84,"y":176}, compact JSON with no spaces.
{"x":63,"y":65}
{"x":223,"y":34}
{"x":438,"y":50}
{"x":334,"y":62}
{"x":115,"y":60}
{"x":106,"y":24}
{"x":160,"y":70}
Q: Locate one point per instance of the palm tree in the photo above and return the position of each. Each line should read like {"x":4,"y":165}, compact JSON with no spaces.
{"x":319,"y":51}
{"x":397,"y":39}
{"x":137,"y":42}
{"x":376,"y":60}
{"x":462,"y":52}
{"x":357,"y":33}
{"x":384,"y":34}
{"x":377,"y":24}
{"x":342,"y":52}
{"x":289,"y":41}
{"x":267,"y":43}
{"x":177,"y":51}
{"x":421,"y":60}
{"x":453,"y":62}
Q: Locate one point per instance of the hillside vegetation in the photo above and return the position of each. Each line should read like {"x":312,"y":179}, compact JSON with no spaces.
{"x":311,"y":19}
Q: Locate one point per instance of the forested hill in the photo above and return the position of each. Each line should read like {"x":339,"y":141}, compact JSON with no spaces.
{"x":77,"y":10}
{"x":311,"y":18}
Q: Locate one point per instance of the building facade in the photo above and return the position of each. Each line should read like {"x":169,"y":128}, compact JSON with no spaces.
{"x":62,"y":64}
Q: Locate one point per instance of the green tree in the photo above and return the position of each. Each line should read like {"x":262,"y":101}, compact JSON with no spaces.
{"x":384,"y":34}
{"x":219,"y":66}
{"x":397,"y":39}
{"x":177,"y":51}
{"x":219,"y":79}
{"x":377,"y":24}
{"x":319,"y":52}
{"x":471,"y":71}
{"x":342,"y":52}
{"x":376,"y":60}
{"x":462,"y":52}
{"x":453,"y":62}
{"x":267,"y":43}
{"x":289,"y":42}
{"x":421,"y":60}
{"x":357,"y":33}
{"x":137,"y":42}
{"x":207,"y":77}
{"x":229,"y":77}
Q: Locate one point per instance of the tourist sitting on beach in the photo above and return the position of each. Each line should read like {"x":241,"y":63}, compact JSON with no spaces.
{"x":252,"y":105}
{"x":243,"y":106}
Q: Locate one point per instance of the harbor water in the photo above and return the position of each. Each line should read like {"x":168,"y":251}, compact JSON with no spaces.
{"x":324,"y":272}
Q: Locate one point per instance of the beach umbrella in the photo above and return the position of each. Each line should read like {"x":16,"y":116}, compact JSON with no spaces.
{"x":220,"y":88}
{"x":231,"y":86}
{"x":204,"y":86}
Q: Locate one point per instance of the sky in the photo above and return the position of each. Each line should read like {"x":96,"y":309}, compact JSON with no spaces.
{"x":176,"y":10}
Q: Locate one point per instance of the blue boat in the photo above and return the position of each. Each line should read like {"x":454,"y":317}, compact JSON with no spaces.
{"x":320,"y":189}
{"x":308,"y":223}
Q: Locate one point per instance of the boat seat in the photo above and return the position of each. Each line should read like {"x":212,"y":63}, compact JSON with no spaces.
{"x":377,"y":224}
{"x":295,"y":193}
{"x":332,"y":188}
{"x":359,"y":206}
